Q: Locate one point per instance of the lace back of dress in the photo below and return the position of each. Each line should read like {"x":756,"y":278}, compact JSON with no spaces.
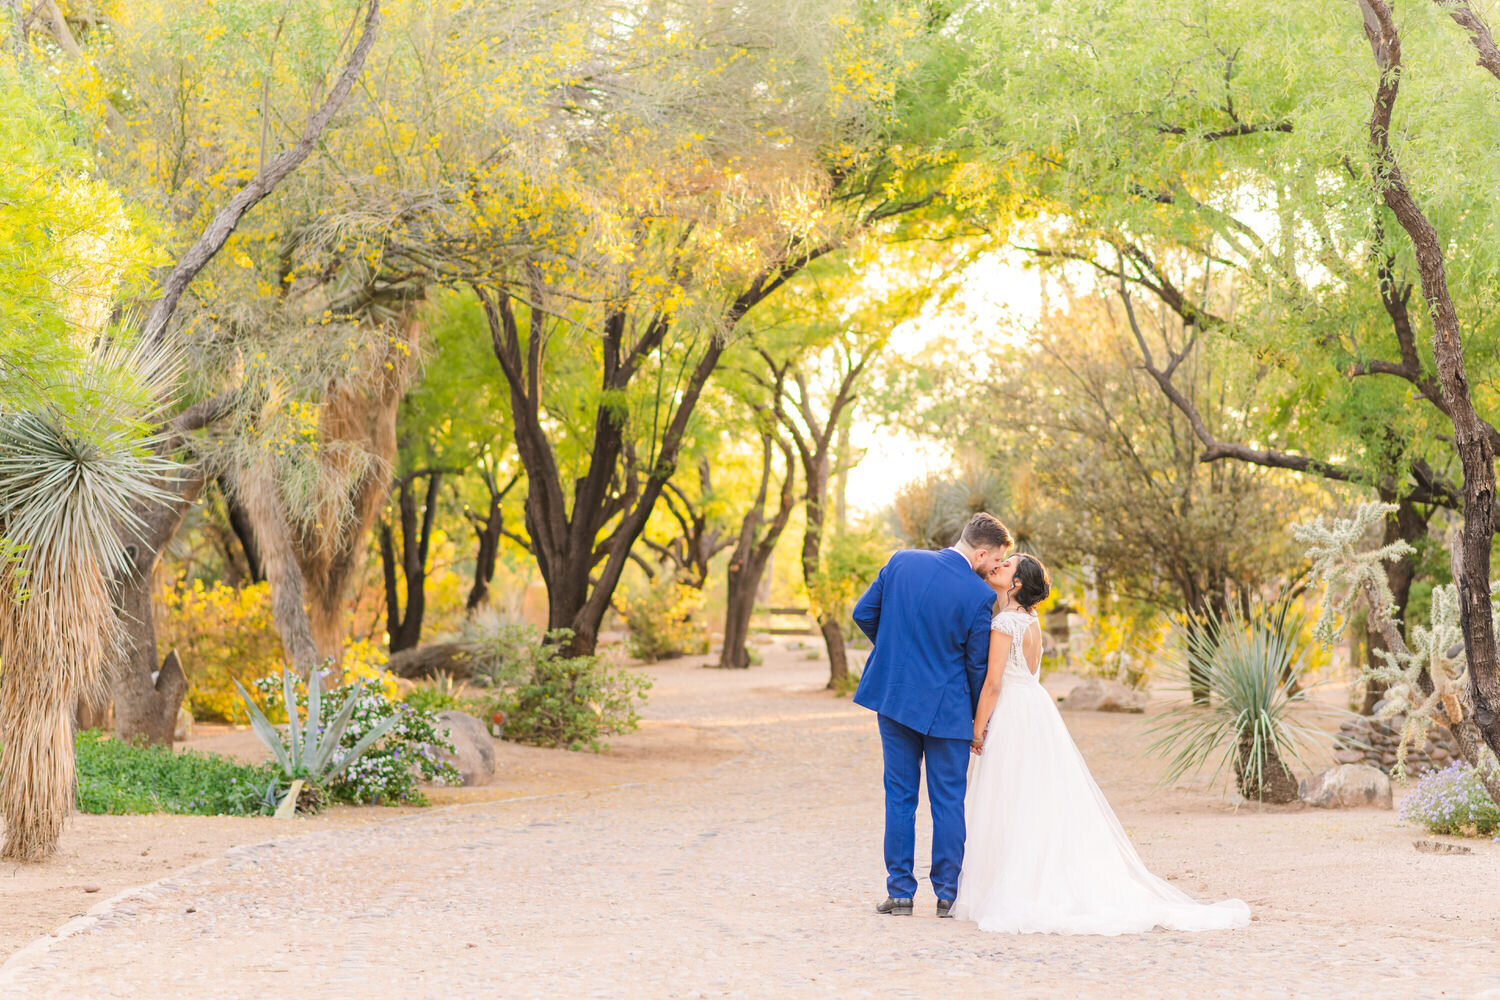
{"x":1016,"y":624}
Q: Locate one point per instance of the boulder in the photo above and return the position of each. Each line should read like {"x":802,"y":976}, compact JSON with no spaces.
{"x":1347,"y":786}
{"x":474,"y":751}
{"x":1098,"y":695}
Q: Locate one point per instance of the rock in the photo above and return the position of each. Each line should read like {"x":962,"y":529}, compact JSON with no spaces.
{"x":1438,"y":847}
{"x":1347,"y":786}
{"x":184,"y":726}
{"x":1349,"y":756}
{"x":474,"y":754}
{"x":1359,"y":728}
{"x":1098,"y":695}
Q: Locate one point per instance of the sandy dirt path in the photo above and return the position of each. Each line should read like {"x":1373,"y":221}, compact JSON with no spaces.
{"x":754,"y":876}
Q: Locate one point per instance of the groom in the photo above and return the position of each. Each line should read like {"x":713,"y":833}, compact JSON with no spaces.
{"x":928,"y":614}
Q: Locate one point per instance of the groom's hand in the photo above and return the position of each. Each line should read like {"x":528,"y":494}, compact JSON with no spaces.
{"x":976,"y":746}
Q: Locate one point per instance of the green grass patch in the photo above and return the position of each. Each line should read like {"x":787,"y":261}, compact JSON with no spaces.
{"x":118,"y":778}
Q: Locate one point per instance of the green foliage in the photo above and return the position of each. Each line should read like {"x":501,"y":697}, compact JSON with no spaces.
{"x":1124,"y":646}
{"x":67,"y":244}
{"x":850,"y":563}
{"x":1168,"y":143}
{"x":845,"y":686}
{"x":116,"y":777}
{"x":1252,"y":672}
{"x":930,"y":513}
{"x":573,"y":701}
{"x":442,"y":695}
{"x":663,"y":621}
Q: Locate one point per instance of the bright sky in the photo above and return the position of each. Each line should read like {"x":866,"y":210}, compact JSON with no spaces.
{"x":999,"y":298}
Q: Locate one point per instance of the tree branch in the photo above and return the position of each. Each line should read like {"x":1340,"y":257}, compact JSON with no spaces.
{"x":218,"y":231}
{"x":1479,"y":33}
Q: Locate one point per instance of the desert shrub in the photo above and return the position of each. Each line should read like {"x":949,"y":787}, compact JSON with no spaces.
{"x":387,"y":772}
{"x":1452,"y":801}
{"x":222,"y":634}
{"x":1250,"y":678}
{"x":116,"y":777}
{"x":442,"y":695}
{"x":662,"y":622}
{"x":501,"y":651}
{"x":572,"y":701}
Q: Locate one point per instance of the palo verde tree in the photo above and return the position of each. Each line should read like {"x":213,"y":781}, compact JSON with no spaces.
{"x":817,"y":347}
{"x":1208,"y":139}
{"x":210,"y":188}
{"x":723,"y":157}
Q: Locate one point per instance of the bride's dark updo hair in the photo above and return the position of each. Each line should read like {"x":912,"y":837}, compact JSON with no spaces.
{"x":1033,"y":580}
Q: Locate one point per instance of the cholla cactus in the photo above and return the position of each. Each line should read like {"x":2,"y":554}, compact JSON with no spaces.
{"x":1351,"y":574}
{"x":1336,"y":548}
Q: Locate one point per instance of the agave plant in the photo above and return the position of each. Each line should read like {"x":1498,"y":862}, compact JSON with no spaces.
{"x":307,"y":752}
{"x":1251,"y":671}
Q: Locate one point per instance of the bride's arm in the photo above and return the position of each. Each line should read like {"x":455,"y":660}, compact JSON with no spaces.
{"x":990,"y":693}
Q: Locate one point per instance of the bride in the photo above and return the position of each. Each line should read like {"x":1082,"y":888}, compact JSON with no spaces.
{"x":1044,"y":851}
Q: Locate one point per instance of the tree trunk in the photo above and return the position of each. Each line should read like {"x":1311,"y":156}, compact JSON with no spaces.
{"x":813,"y":448}
{"x":487,"y":534}
{"x":244,"y":531}
{"x":566,"y":537}
{"x":145,"y":706}
{"x":812,"y":551}
{"x":751,"y":556}
{"x":405,"y":629}
{"x":361,"y":413}
{"x":1276,"y":784}
{"x":739,"y":607}
{"x":1470,"y":433}
{"x":843,"y":461}
{"x":1408,"y":525}
{"x":257,"y":488}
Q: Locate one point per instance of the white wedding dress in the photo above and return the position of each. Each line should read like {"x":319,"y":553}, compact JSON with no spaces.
{"x":1044,"y":851}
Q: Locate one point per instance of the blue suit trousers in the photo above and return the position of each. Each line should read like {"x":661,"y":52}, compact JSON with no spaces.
{"x":947,"y":779}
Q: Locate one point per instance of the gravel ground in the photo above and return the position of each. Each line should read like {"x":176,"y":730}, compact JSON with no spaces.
{"x":756,"y":878}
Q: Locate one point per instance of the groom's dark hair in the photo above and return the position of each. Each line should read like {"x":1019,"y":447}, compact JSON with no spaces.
{"x":984,"y":531}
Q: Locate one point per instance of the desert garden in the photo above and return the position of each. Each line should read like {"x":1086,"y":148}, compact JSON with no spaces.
{"x":441,"y":445}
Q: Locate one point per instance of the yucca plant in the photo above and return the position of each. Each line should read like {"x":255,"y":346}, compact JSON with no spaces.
{"x":1252,"y":673}
{"x":70,"y":473}
{"x":307,"y":751}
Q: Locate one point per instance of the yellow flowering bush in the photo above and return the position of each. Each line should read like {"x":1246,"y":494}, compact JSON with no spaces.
{"x":664,"y":622}
{"x":1124,"y":646}
{"x":365,"y":661}
{"x":225,"y":634}
{"x":222,"y":634}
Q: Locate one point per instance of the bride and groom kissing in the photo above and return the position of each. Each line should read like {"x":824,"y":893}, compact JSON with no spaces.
{"x":1029,"y":844}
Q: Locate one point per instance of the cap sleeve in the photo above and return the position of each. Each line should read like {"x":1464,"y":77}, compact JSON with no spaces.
{"x":1011,"y":623}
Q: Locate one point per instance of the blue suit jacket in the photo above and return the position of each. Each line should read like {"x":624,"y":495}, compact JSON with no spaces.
{"x":928,"y":615}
